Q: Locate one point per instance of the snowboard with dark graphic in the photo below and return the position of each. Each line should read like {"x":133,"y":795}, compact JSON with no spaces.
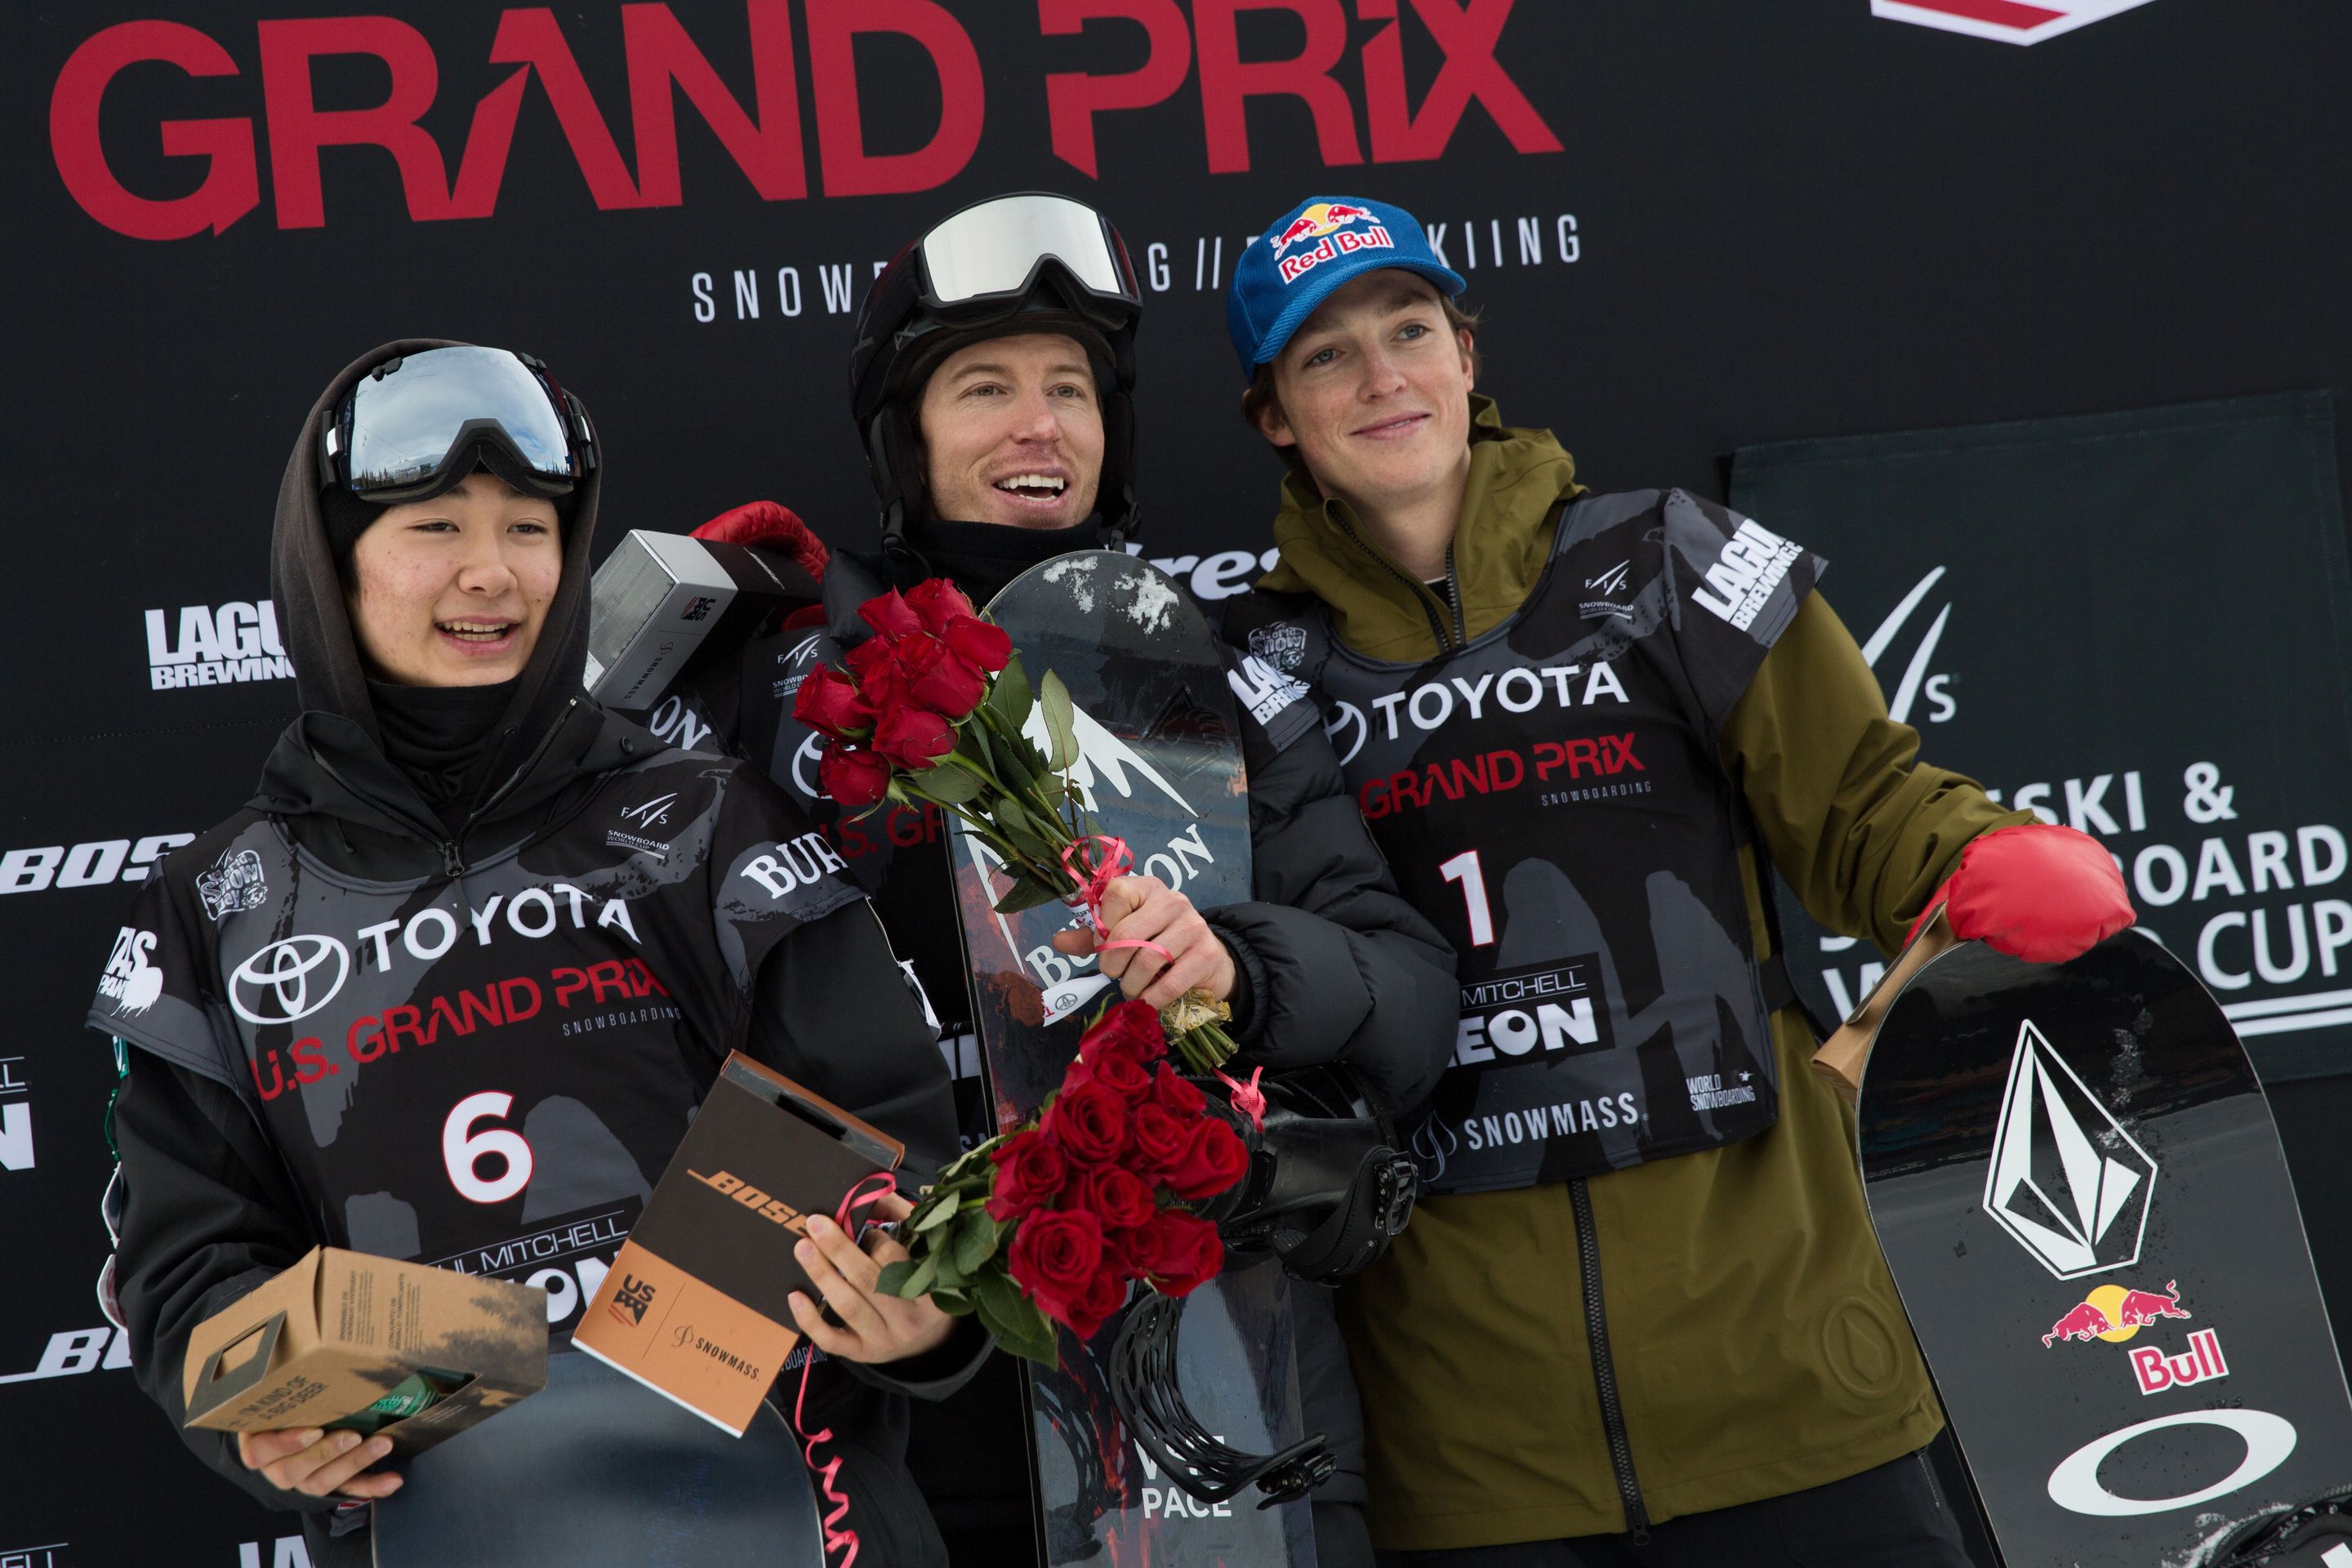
{"x":1160,"y":764}
{"x":2076,"y":1182}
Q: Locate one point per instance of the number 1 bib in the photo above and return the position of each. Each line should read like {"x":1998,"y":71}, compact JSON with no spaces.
{"x":1553,"y":797}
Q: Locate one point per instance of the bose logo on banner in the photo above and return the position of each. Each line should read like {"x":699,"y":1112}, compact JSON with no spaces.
{"x":90,"y":865}
{"x":237,"y":642}
{"x":2009,"y":21}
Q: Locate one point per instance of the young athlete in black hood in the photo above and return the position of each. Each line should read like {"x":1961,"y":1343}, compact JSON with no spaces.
{"x":468,"y":911}
{"x":992,"y":384}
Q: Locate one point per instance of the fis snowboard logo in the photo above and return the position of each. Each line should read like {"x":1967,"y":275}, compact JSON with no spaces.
{"x":652,"y":813}
{"x":235,"y":884}
{"x":2066,"y":1182}
{"x":289,"y":980}
{"x":219,"y":645}
{"x":647,"y":814}
{"x":1281,"y":645}
{"x":2115,"y":1314}
{"x":130,"y":981}
{"x":1609,"y":585}
{"x":2006,"y":21}
{"x":631,"y":1301}
{"x":1332,"y":227}
{"x":1264,"y":691}
{"x":1753,"y":562}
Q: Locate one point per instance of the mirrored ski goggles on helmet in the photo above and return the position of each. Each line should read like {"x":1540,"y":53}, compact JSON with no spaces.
{"x":411,"y":429}
{"x":992,"y":251}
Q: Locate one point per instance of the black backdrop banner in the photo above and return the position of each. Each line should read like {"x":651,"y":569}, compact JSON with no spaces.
{"x":2135,"y":624}
{"x":1691,"y":226}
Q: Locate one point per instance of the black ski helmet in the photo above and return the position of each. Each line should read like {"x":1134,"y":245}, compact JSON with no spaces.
{"x":1030,"y":261}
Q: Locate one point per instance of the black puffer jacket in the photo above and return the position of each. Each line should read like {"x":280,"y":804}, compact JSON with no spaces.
{"x":216,"y":1203}
{"x":1332,"y":966}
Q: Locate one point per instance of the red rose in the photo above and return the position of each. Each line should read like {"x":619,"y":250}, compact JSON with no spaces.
{"x":978,"y":643}
{"x":1088,"y":1123}
{"x":1117,"y":1068}
{"x":1175,"y":1093}
{"x":1134,"y":1023}
{"x":891,"y":615}
{"x":937,"y":678}
{"x":1215,"y":1159}
{"x":1178,"y":1251}
{"x":852,"y":776}
{"x":1159,"y":1140}
{"x":1106,"y":1293}
{"x":913,"y":738}
{"x":1055,"y":1257}
{"x":876,"y":672}
{"x":1029,"y":1175}
{"x":827,"y":702}
{"x":1113,"y":1195}
{"x":936,"y":602}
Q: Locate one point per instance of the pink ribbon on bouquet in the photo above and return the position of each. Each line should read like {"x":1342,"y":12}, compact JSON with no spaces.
{"x":1246,"y":1097}
{"x":1092,"y":862}
{"x":836,"y":1539}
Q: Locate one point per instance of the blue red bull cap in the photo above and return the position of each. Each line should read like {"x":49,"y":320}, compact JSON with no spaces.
{"x":1319,"y":244}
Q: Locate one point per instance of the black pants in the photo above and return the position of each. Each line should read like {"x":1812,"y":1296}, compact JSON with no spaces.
{"x":1896,"y":1516}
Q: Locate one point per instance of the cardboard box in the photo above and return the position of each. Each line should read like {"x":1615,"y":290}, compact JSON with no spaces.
{"x":695,"y":1306}
{"x":1846,"y":1053}
{"x":339,"y":1331}
{"x":659,"y":599}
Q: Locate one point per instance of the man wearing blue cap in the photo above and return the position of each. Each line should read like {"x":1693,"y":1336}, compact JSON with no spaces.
{"x":1641,"y":1318}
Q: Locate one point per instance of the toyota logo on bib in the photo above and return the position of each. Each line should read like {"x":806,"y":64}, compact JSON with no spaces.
{"x":289,"y":980}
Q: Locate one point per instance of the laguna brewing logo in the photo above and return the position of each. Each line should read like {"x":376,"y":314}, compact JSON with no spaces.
{"x":203,"y":645}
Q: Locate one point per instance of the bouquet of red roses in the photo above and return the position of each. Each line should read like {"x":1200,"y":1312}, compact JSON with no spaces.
{"x":1060,"y":1218}
{"x":935,"y":707}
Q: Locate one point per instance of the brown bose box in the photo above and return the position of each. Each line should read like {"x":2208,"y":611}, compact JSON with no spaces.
{"x":331,"y":1335}
{"x":695,"y":1306}
{"x":1844,"y":1055}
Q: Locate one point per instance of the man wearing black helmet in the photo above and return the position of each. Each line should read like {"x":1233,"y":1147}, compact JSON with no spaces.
{"x":991,"y":383}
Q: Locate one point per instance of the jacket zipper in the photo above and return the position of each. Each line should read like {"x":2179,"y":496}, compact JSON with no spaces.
{"x":1419,"y":592}
{"x":1604,"y":1371}
{"x":453,"y":863}
{"x":1453,"y":599}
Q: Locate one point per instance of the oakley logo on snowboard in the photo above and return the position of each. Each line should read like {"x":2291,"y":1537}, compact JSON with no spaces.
{"x":2066,"y":1182}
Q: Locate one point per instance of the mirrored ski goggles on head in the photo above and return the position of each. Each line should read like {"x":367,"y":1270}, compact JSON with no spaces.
{"x":992,"y":252}
{"x":410,"y":428}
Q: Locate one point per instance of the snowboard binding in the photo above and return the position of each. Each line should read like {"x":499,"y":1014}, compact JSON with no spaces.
{"x":1326,"y":1190}
{"x":2291,"y":1536}
{"x":1144,"y":1388}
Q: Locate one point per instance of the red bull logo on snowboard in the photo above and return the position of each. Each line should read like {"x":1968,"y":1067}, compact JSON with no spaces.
{"x":1332,"y":227}
{"x":2116,"y":1314}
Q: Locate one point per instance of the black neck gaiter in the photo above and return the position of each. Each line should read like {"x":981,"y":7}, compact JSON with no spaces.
{"x":438,"y":736}
{"x":980,"y":558}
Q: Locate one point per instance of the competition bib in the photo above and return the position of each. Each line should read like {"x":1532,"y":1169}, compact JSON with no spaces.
{"x":1553,"y":798}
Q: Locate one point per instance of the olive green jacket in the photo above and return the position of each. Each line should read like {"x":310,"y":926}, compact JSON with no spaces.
{"x":1757,"y":1342}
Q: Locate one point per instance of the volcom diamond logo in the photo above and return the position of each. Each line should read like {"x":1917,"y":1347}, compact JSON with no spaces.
{"x":2010,"y":21}
{"x":2066,"y":1181}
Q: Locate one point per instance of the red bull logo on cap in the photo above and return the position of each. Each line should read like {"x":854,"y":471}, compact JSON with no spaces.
{"x":1332,"y":227}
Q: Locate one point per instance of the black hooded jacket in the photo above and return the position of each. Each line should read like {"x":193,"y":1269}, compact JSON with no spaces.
{"x":224,"y":1187}
{"x":1331,"y":965}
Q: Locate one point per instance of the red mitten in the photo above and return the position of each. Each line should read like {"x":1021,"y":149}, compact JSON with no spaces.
{"x":2034,"y":891}
{"x":770,"y":526}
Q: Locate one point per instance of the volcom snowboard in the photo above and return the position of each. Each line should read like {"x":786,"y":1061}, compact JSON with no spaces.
{"x":1159,"y":766}
{"x":2076,"y":1182}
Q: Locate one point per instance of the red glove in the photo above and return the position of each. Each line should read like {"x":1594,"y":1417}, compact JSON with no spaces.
{"x":2034,"y":891}
{"x":770,"y":526}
